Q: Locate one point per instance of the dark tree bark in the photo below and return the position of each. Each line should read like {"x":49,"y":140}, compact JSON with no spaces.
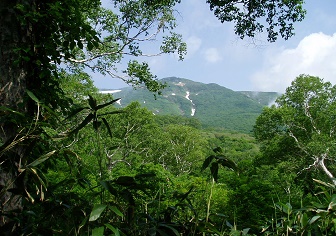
{"x":14,"y":74}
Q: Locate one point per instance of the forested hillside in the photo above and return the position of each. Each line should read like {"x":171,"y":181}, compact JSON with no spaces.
{"x":213,"y":105}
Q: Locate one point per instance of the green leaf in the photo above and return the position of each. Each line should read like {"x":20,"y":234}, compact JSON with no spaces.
{"x":76,"y":111}
{"x":96,"y":124}
{"x":245,"y":231}
{"x":97,"y":211}
{"x":207,"y":162}
{"x":304,"y":220}
{"x":313,"y":219}
{"x":80,"y":44}
{"x":98,"y":231}
{"x":32,"y":96}
{"x":41,"y":159}
{"x":83,"y":223}
{"x":225,"y":162}
{"x":90,"y":46}
{"x":86,"y":121}
{"x":218,"y":150}
{"x":114,"y":230}
{"x":2,"y":108}
{"x":107,"y":126}
{"x":214,"y":171}
{"x":116,"y":210}
{"x":72,"y":45}
{"x":50,"y":111}
{"x":92,"y":103}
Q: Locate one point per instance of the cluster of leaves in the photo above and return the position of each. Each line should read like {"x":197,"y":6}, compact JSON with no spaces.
{"x":279,"y":16}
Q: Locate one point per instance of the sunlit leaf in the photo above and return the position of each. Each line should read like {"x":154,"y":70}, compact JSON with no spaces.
{"x":97,"y":211}
{"x":313,"y":219}
{"x":116,"y":210}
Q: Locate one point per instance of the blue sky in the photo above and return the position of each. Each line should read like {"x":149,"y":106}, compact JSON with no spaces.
{"x":217,"y":55}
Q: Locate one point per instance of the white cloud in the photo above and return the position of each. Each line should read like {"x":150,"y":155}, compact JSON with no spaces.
{"x":193,"y":45}
{"x":212,"y":55}
{"x":315,"y":55}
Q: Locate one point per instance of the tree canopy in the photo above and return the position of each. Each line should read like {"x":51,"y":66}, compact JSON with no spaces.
{"x":302,"y":125}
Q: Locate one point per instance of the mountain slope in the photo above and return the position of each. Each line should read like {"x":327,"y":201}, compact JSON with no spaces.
{"x":212,"y":104}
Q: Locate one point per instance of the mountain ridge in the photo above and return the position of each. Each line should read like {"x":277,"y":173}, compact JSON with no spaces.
{"x":214,"y":105}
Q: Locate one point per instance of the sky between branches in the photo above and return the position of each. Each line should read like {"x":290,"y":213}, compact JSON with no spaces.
{"x":217,"y":55}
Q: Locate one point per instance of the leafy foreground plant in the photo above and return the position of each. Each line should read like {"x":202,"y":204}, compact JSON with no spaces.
{"x":317,"y":219}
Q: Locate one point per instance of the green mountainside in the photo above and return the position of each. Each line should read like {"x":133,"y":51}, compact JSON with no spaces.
{"x":213,"y":105}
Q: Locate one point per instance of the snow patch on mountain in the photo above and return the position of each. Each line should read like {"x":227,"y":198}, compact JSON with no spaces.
{"x":193,"y":108}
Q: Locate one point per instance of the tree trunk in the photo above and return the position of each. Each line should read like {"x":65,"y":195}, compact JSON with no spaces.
{"x":325,"y":169}
{"x":13,"y":83}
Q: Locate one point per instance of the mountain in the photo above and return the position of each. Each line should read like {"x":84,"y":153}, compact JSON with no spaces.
{"x":213,"y":105}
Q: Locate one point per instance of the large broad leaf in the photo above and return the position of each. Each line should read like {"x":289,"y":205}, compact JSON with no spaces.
{"x":97,"y":211}
{"x":116,"y":210}
{"x":107,"y":126}
{"x":207,"y":162}
{"x":226,"y":162}
{"x":214,"y":171}
{"x":92,"y":103}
